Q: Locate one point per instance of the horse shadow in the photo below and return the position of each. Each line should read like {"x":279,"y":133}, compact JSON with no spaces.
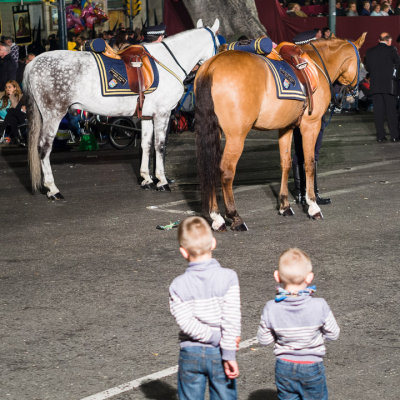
{"x":263,"y":394}
{"x":158,"y":390}
{"x":16,"y":160}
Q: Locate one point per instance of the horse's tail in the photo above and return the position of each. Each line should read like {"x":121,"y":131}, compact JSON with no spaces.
{"x":208,"y":142}
{"x":35,"y":127}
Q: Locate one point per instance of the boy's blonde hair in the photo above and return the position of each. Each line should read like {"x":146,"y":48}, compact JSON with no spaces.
{"x":194,"y":235}
{"x":294,"y":266}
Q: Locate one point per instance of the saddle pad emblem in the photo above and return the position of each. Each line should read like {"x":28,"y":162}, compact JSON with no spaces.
{"x":112,"y":83}
{"x":286,"y":84}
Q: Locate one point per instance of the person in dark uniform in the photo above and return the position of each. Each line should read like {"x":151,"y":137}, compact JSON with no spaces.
{"x":383,"y":63}
{"x":299,"y":175}
{"x":154,"y":34}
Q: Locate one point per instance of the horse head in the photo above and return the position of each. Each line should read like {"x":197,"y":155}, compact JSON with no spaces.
{"x":349,"y":72}
{"x":213,"y":34}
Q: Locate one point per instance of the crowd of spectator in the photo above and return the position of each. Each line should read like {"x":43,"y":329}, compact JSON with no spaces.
{"x":352,"y":8}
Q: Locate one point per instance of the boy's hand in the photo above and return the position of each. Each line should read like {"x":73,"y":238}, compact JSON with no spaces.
{"x":237,"y":340}
{"x":231,"y":369}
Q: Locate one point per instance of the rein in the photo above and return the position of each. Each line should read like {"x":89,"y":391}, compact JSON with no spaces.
{"x":172,"y":55}
{"x":176,"y":61}
{"x":353,"y":92}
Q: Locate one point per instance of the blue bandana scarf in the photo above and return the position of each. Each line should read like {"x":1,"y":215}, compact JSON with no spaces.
{"x":282,"y":294}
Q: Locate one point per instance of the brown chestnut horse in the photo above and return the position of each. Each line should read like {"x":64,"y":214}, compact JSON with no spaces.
{"x":235,"y":92}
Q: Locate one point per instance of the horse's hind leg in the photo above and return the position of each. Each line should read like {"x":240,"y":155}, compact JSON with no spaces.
{"x":232,"y":152}
{"x":285,"y":144}
{"x":160,"y":129}
{"x":146,"y":142}
{"x":49,"y":132}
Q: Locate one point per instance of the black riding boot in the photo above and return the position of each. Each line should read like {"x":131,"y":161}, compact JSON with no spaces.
{"x":299,"y":178}
{"x":320,"y":200}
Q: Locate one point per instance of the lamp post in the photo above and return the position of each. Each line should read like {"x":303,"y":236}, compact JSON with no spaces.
{"x":332,"y":16}
{"x":62,"y":24}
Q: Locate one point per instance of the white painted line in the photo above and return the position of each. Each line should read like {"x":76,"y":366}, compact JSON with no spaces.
{"x":165,"y":206}
{"x":125,"y":387}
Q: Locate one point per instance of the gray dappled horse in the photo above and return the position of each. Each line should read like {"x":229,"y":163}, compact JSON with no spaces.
{"x":61,"y":80}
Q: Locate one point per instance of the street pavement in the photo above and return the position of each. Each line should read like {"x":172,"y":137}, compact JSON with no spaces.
{"x":84,"y":282}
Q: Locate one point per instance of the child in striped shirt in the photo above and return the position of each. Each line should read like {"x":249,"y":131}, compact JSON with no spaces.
{"x":205,"y":302}
{"x":298,"y":324}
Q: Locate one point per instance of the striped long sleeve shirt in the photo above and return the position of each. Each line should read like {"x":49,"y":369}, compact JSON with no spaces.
{"x":298,"y":326}
{"x":205,"y":302}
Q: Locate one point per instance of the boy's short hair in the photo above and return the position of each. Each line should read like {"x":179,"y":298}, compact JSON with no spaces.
{"x":294,"y":266}
{"x":194,"y":235}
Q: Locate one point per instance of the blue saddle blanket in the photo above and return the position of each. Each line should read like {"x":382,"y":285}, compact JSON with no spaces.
{"x":262,"y":45}
{"x":287,"y":84}
{"x":113,"y":77}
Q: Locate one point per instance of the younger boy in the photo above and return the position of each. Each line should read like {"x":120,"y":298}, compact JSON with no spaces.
{"x":205,"y":302}
{"x":298,"y":324}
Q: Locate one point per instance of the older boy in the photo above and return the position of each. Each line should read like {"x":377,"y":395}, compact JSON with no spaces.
{"x":205,"y":302}
{"x":298,"y":324}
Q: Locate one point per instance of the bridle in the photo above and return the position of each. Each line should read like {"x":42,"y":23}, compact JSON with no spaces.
{"x":177,"y":62}
{"x":351,"y":89}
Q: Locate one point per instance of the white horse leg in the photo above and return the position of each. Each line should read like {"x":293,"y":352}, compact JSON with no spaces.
{"x":45,"y":147}
{"x":147,"y":136}
{"x":218,"y":222}
{"x":313,"y":210}
{"x":160,"y":130}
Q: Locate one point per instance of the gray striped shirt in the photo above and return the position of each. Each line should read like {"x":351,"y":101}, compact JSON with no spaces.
{"x":298,"y":326}
{"x":205,"y":302}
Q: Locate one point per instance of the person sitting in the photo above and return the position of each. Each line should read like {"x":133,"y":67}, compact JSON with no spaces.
{"x":366,"y":9}
{"x":154,"y":34}
{"x":396,"y":11}
{"x":340,"y":12}
{"x":15,"y":111}
{"x":385,"y":9}
{"x":376,"y":12}
{"x":352,"y":10}
{"x":294,"y":10}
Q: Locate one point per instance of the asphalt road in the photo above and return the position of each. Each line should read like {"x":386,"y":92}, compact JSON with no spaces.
{"x":84,"y":282}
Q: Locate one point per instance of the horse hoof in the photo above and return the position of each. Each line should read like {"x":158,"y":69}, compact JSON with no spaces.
{"x":148,"y":186}
{"x":163,"y":188}
{"x":317,"y":216}
{"x":240,"y":228}
{"x":54,"y":197}
{"x":287,"y":212}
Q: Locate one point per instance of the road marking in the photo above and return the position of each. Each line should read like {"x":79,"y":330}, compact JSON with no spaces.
{"x":125,"y":387}
{"x":165,"y":207}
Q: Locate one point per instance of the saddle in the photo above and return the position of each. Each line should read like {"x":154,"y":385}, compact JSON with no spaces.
{"x":137,"y":64}
{"x":302,"y":65}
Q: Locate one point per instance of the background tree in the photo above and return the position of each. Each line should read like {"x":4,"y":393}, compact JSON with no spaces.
{"x":237,"y":17}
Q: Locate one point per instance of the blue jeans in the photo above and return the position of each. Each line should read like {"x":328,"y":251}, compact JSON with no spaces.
{"x":300,"y":381}
{"x":197,"y":364}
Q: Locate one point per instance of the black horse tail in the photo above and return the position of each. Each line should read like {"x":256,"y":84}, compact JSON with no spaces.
{"x":35,"y":126}
{"x":208,"y":141}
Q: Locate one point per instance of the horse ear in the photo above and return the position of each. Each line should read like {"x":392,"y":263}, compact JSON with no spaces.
{"x":360,"y":41}
{"x":199,"y":23}
{"x":215,"y":27}
{"x":333,"y":36}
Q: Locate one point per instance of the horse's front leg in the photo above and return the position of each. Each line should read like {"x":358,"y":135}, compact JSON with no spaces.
{"x":285,"y":144}
{"x":309,"y":133}
{"x":160,"y":133}
{"x":146,"y":142}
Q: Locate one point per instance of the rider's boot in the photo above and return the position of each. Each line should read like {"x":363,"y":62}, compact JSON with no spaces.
{"x":320,"y":200}
{"x":299,"y":178}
